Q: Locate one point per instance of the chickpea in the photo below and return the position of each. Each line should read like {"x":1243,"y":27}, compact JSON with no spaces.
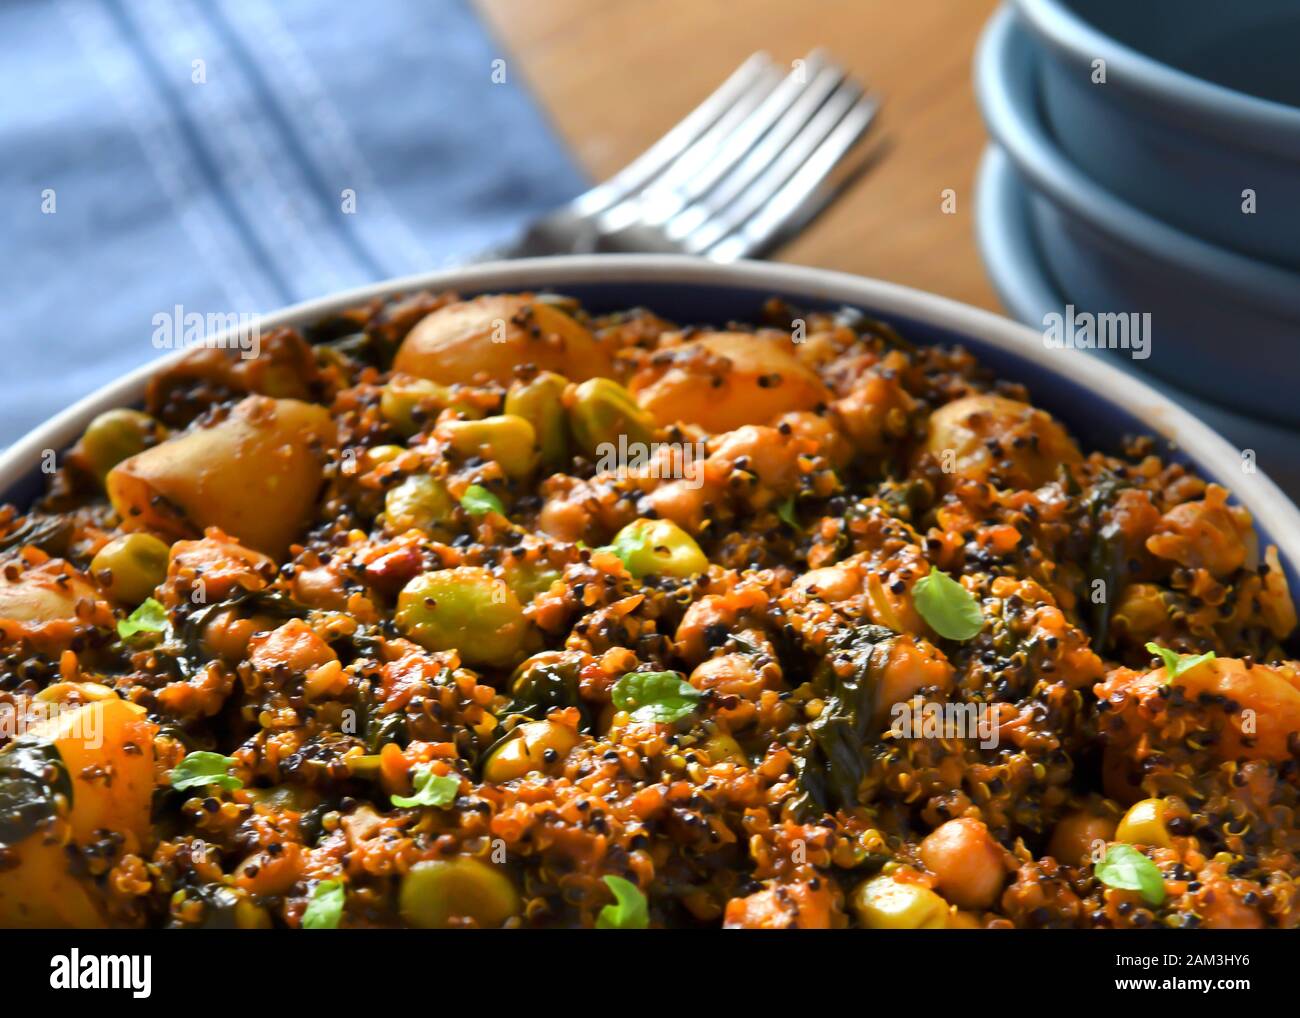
{"x":530,"y":747}
{"x":1144,"y":824}
{"x":131,"y":566}
{"x":466,"y":609}
{"x":724,"y":380}
{"x":541,"y":403}
{"x":1075,"y":835}
{"x":600,"y":410}
{"x":419,"y":502}
{"x":984,"y":436}
{"x":658,"y":547}
{"x":883,"y":903}
{"x":438,"y":891}
{"x":508,"y":439}
{"x":116,"y":435}
{"x":967,"y":861}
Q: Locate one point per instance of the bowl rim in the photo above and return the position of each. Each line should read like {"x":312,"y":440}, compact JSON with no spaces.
{"x":1207,"y":107}
{"x":1006,"y":96}
{"x":1269,"y":506}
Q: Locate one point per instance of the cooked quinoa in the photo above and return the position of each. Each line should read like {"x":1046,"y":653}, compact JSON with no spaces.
{"x":499,"y":612}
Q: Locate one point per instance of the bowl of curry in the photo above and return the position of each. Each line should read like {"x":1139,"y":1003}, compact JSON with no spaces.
{"x":640,"y":592}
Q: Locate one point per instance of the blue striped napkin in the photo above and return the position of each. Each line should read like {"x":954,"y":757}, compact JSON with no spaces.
{"x":236,"y":157}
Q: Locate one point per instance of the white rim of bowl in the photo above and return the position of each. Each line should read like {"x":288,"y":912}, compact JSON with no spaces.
{"x":1019,"y":129}
{"x":1272,"y":510}
{"x":1265,"y":125}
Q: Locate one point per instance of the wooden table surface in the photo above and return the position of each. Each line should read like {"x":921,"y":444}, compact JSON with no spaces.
{"x":615,"y":74}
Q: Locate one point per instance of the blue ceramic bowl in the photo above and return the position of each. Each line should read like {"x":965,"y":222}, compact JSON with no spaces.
{"x":1015,"y":267}
{"x":1097,"y":401}
{"x":1224,"y":327}
{"x":1200,"y":103}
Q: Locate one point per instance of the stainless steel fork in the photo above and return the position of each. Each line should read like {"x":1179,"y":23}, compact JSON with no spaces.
{"x":739,"y":175}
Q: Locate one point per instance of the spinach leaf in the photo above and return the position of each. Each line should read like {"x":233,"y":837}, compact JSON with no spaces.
{"x":832,"y":764}
{"x":31,"y":774}
{"x":1107,"y":560}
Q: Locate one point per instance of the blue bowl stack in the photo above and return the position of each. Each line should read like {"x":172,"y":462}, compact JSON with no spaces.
{"x":1141,"y":198}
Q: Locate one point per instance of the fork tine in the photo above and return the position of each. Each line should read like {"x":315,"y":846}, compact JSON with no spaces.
{"x":770,"y":149}
{"x":786,"y":165}
{"x":765,"y":227}
{"x":631,"y":210}
{"x":666,"y":198}
{"x":645,"y":167}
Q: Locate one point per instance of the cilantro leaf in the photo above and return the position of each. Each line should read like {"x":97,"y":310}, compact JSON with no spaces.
{"x":629,"y":911}
{"x":201,"y":769}
{"x":949,"y":608}
{"x":1126,"y":868}
{"x":478,"y":501}
{"x":150,"y":617}
{"x":326,"y":906}
{"x":655,"y":696}
{"x":431,"y":789}
{"x":1176,"y":664}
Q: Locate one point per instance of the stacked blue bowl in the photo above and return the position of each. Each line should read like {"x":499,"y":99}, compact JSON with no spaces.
{"x":1141,"y":198}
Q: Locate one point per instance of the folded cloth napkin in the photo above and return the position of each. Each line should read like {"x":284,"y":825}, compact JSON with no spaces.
{"x":165,"y":156}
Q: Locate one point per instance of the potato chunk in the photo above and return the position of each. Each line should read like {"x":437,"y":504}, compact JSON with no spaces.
{"x":485,"y":339}
{"x":254,"y":474}
{"x":105,"y":748}
{"x":49,"y":604}
{"x":724,"y":380}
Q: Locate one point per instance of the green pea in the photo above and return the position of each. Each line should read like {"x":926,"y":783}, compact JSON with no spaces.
{"x":658,"y":547}
{"x":418,"y":502}
{"x":117,"y":435}
{"x":528,"y":579}
{"x":600,"y":410}
{"x":466,"y":609}
{"x":131,"y":566}
{"x":508,"y":439}
{"x":437,"y":891}
{"x":541,"y":403}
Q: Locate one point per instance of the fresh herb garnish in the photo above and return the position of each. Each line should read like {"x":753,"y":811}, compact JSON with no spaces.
{"x":326,"y":906}
{"x":150,"y":617}
{"x":786,"y":511}
{"x":949,"y":608}
{"x":655,"y":696}
{"x":431,"y":789}
{"x":478,"y":501}
{"x":1176,"y":664}
{"x":201,"y":769}
{"x":1125,"y":868}
{"x":629,"y":911}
